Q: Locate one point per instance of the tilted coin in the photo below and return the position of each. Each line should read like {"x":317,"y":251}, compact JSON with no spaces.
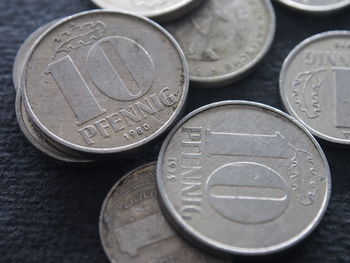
{"x":23,"y":51}
{"x":160,"y":10}
{"x":317,"y":6}
{"x":133,"y":229}
{"x":38,"y":140}
{"x":225,"y":39}
{"x":314,"y":85}
{"x":243,"y":178}
{"x":105,"y":82}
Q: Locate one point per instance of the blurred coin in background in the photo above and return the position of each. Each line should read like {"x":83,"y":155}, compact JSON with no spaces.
{"x":223,"y":40}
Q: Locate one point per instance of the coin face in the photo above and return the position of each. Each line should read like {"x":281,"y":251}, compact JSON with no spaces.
{"x":105,"y":82}
{"x":161,"y":10}
{"x":314,"y":85}
{"x":23,"y":51}
{"x":38,"y":140}
{"x":133,"y":229}
{"x":238,"y":169}
{"x":316,"y":6}
{"x":224,"y":39}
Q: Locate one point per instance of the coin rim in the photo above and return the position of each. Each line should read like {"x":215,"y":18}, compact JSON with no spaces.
{"x":194,"y":235}
{"x":106,"y":199}
{"x":166,"y":14}
{"x":225,"y":79}
{"x":283,"y":86}
{"x":122,"y":149}
{"x":60,"y":155}
{"x":315,"y":9}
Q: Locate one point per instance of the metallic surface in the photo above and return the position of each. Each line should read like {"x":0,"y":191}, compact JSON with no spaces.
{"x":38,"y":140}
{"x":23,"y":52}
{"x":317,"y":6}
{"x":314,"y":85}
{"x":160,"y":10}
{"x":105,"y":82}
{"x":243,"y":178}
{"x":224,"y":39}
{"x":132,"y":228}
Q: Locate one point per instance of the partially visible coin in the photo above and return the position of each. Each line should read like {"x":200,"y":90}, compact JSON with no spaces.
{"x":243,"y":178}
{"x":38,"y":140}
{"x":160,"y":10}
{"x":105,"y":82}
{"x":133,"y":229}
{"x":317,"y":6}
{"x":23,"y":52}
{"x":314,"y":85}
{"x":223,"y":40}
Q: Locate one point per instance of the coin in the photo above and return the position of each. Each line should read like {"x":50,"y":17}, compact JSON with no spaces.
{"x":314,"y":85}
{"x":105,"y":82}
{"x":317,"y":6}
{"x":23,"y":51}
{"x":223,"y":40}
{"x":133,"y":229}
{"x":38,"y":140}
{"x":235,"y":176}
{"x":160,"y":10}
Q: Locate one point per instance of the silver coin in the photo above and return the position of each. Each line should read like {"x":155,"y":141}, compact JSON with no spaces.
{"x":38,"y":140}
{"x":105,"y":82}
{"x":235,"y":176}
{"x":317,"y":6}
{"x":314,"y":85}
{"x":23,"y":51}
{"x":225,"y":39}
{"x":133,"y":229}
{"x":160,"y":10}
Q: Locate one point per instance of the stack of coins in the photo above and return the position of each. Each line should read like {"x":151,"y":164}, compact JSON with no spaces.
{"x":232,"y":177}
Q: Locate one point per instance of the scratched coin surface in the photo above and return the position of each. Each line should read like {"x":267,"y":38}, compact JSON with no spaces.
{"x":243,"y":178}
{"x":39,"y":141}
{"x":317,"y":6}
{"x":133,"y":229}
{"x":224,"y":39}
{"x":314,"y":85}
{"x":23,"y":51}
{"x":160,"y":10}
{"x":105,"y":82}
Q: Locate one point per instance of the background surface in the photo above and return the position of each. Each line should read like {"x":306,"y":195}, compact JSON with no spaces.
{"x":49,"y":212}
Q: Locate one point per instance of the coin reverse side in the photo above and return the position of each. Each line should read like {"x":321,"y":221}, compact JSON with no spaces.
{"x":160,"y":10}
{"x":133,"y":229}
{"x":243,"y":178}
{"x":314,"y":85}
{"x":105,"y":82}
{"x":39,"y":141}
{"x":23,"y":52}
{"x":224,"y":39}
{"x":317,"y":6}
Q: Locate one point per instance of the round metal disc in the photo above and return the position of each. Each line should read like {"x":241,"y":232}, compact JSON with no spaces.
{"x":317,"y":6}
{"x":105,"y":82}
{"x":243,"y":178}
{"x":133,"y":229}
{"x":223,"y":40}
{"x":314,"y":85}
{"x":38,"y":140}
{"x":23,"y":52}
{"x":160,"y":10}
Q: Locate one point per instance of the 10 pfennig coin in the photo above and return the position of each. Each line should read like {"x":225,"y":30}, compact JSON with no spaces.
{"x":223,"y":40}
{"x":314,"y":85}
{"x":243,"y":178}
{"x":317,"y":6}
{"x":160,"y":10}
{"x":105,"y":82}
{"x":133,"y":229}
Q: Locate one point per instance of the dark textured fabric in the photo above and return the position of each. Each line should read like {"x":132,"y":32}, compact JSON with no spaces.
{"x":49,"y":212}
